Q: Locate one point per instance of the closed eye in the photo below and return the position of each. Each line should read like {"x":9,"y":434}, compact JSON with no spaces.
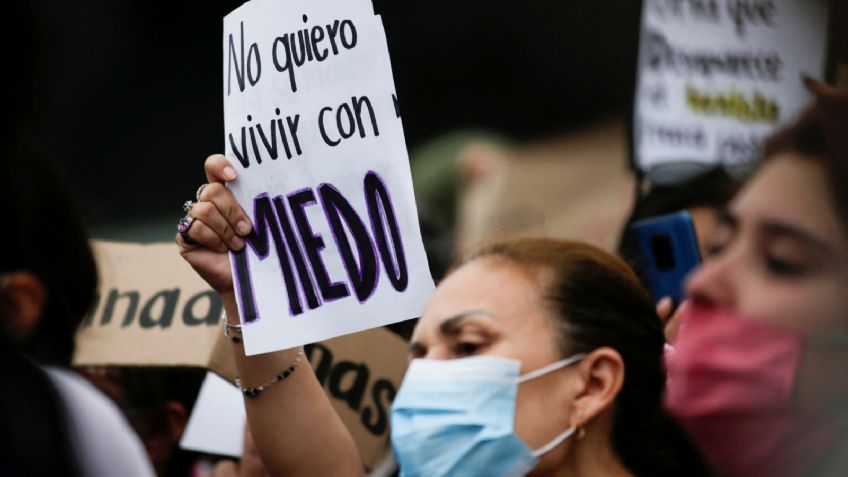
{"x":466,"y":349}
{"x":782,"y":267}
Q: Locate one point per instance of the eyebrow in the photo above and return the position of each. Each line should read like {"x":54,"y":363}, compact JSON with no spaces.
{"x":784,"y":230}
{"x":450,"y":325}
{"x":779,"y":229}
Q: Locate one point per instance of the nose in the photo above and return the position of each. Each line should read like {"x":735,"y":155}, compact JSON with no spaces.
{"x":714,"y":284}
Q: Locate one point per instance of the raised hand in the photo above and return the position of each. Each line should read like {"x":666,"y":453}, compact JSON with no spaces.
{"x":218,"y":226}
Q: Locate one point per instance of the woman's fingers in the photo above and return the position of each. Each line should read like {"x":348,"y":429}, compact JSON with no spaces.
{"x":223,"y":200}
{"x":219,"y":221}
{"x":218,"y":169}
{"x":210,"y":263}
{"x":218,"y":226}
{"x":183,"y":246}
{"x":831,"y":99}
{"x":208,"y":214}
{"x":206,"y":237}
{"x":819,"y":88}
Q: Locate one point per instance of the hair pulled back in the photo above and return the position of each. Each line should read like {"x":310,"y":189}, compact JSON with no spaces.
{"x":598,"y":301}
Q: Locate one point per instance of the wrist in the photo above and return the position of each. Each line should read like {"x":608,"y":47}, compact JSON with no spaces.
{"x":230,"y":318}
{"x":228,"y":297}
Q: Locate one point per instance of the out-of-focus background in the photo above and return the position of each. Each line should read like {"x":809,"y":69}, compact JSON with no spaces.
{"x":516,"y":115}
{"x":127,"y":95}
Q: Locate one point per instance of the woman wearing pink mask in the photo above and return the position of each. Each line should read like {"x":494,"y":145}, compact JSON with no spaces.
{"x":758,"y":376}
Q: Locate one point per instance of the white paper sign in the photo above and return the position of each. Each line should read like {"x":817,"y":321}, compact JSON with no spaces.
{"x":216,"y":425}
{"x":717,"y":76}
{"x":312,"y":126}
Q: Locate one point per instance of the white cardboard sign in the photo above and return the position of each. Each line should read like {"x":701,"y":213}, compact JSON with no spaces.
{"x":717,"y":76}
{"x":312,"y":126}
{"x":216,"y":424}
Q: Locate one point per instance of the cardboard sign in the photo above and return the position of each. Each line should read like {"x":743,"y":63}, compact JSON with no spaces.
{"x":574,"y":186}
{"x":312,"y":127}
{"x":216,"y":424}
{"x":361,"y":373}
{"x":718,"y":76}
{"x":154,"y":310}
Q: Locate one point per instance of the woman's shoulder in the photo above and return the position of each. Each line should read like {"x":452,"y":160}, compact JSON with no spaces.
{"x":103,"y":441}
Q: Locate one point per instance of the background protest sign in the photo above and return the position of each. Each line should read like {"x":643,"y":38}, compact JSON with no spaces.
{"x":312,"y":126}
{"x":717,"y":76}
{"x":153,"y":310}
{"x":216,"y":424}
{"x":361,"y":373}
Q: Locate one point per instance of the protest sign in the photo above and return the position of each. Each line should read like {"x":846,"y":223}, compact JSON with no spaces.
{"x":154,"y":310}
{"x":360,"y":372}
{"x":312,"y":126}
{"x":216,"y":424}
{"x":717,"y":76}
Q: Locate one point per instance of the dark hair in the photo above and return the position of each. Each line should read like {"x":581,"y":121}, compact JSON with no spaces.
{"x":144,"y":394}
{"x":711,"y":188}
{"x":600,"y":302}
{"x":820,"y":134}
{"x":42,"y":234}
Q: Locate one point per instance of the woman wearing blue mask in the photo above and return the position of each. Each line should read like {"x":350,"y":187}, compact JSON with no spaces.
{"x":534,"y":357}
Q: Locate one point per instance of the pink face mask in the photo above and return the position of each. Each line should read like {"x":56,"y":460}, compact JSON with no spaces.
{"x":730,"y":385}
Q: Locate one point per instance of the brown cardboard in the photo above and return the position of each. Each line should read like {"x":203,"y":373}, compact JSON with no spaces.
{"x":378,"y":358}
{"x":576,"y":186}
{"x":176,"y":323}
{"x":174,"y":320}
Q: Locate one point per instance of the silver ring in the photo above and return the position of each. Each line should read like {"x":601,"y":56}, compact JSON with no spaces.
{"x":200,"y":191}
{"x":187,"y":205}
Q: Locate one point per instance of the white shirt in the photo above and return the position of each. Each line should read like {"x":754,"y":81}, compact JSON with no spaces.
{"x":103,"y":442}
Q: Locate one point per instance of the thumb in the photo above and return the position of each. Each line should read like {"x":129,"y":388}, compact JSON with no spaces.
{"x":664,"y":308}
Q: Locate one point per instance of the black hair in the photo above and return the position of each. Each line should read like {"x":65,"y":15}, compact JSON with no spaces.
{"x":145,"y":393}
{"x":42,"y":234}
{"x":712,"y":188}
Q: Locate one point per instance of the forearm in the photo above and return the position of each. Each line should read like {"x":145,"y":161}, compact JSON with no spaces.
{"x":295,"y":428}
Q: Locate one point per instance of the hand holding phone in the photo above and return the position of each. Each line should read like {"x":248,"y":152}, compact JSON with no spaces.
{"x":668,"y":251}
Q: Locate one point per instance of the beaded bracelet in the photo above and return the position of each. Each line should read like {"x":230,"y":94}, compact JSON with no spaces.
{"x":228,"y":326}
{"x":253,"y":392}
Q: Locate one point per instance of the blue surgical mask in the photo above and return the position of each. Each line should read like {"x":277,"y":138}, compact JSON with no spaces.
{"x":455,"y":418}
